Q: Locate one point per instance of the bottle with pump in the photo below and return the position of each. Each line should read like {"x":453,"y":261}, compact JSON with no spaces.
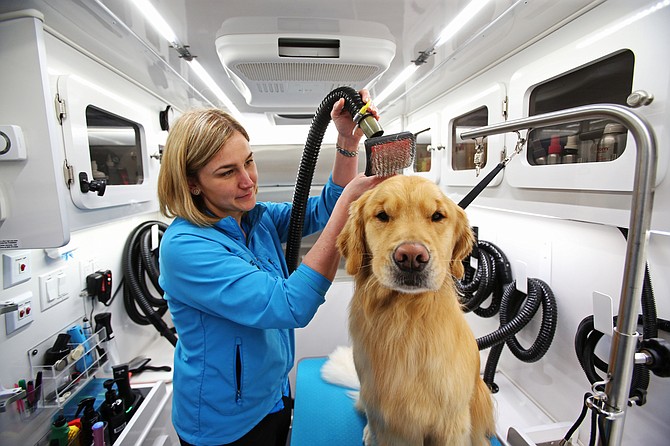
{"x":59,"y":431}
{"x":89,"y":417}
{"x":571,"y":150}
{"x":113,"y":410}
{"x":110,"y":356}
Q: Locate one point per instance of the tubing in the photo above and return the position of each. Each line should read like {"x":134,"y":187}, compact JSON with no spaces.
{"x":353,"y":104}
{"x":492,"y":275}
{"x":539,"y":293}
{"x":139,"y":261}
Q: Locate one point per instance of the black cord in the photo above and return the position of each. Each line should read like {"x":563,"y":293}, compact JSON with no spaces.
{"x":577,"y":423}
{"x":119,"y":288}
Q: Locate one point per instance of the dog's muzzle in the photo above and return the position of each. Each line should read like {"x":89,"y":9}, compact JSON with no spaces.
{"x":411,"y":260}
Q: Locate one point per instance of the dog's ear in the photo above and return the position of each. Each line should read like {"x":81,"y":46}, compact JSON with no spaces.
{"x":351,"y":241}
{"x":464,"y":239}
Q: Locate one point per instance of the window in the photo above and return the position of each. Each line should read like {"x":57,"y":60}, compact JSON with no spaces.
{"x":609,"y":80}
{"x":114,"y":146}
{"x":463,"y":152}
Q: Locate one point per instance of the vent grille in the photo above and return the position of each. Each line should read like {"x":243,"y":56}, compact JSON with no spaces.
{"x":307,"y":72}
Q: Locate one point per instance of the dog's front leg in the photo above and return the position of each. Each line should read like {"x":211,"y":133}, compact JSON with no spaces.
{"x":368,"y":436}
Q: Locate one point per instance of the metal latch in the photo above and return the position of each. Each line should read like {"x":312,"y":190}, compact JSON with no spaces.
{"x":68,"y":173}
{"x":61,"y":109}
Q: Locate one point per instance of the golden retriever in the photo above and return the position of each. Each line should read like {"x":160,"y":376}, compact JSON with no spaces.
{"x":415,"y":355}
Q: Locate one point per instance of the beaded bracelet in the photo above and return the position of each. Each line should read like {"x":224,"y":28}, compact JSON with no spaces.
{"x":346,"y":152}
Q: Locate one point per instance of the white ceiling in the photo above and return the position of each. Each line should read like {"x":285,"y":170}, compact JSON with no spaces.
{"x":117,"y":33}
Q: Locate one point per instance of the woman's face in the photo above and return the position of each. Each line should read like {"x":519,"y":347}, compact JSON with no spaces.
{"x":228,"y":181}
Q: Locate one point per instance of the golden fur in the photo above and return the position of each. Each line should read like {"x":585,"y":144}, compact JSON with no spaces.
{"x":415,"y":355}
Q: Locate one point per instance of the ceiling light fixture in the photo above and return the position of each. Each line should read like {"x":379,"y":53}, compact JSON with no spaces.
{"x":449,"y":31}
{"x":212,"y":85}
{"x":157,"y":21}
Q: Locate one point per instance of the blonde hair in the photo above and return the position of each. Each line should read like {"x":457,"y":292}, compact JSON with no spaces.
{"x":194,"y":138}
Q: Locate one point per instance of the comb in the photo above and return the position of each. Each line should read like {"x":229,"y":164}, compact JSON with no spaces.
{"x":389,"y":155}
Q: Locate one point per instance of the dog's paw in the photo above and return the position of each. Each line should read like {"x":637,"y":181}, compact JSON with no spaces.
{"x":368,"y":438}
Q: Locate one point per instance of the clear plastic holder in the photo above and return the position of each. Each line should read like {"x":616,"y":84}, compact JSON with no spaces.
{"x":61,"y":381}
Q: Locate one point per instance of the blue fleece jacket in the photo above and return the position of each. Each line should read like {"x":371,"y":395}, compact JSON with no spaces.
{"x":234,"y":307}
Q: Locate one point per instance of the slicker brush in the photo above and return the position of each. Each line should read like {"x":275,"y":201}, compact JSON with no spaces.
{"x":384,"y":155}
{"x":389,"y":155}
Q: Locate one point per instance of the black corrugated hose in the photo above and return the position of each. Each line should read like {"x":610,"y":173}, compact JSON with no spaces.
{"x":138,"y":262}
{"x":310,"y":155}
{"x":493,"y":277}
{"x":492,"y":274}
{"x":539,"y":294}
{"x":587,"y":338}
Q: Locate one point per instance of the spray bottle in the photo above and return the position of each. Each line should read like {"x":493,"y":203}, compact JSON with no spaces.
{"x":88,"y":419}
{"x":110,"y":356}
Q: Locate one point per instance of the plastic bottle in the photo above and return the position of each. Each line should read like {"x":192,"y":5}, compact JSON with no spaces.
{"x":571,"y":150}
{"x":113,"y":411}
{"x":59,"y":431}
{"x":88,"y":419}
{"x":612,"y":143}
{"x":538,"y":152}
{"x":555,"y":150}
{"x":110,"y":356}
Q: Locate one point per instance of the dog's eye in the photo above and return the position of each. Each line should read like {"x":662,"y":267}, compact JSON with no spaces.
{"x":382,"y":216}
{"x":437,"y":216}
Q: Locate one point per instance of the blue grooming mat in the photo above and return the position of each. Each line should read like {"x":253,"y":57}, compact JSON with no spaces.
{"x":324,"y":414}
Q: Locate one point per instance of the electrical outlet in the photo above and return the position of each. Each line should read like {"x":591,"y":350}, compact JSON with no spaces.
{"x":23,"y":315}
{"x":54,"y":288}
{"x":86,"y":267}
{"x":15,"y":269}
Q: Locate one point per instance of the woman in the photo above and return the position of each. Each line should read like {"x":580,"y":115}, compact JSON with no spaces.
{"x":226,"y":282}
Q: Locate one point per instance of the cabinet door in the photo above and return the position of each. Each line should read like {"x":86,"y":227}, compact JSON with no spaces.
{"x":473,"y":105}
{"x":105,"y":142}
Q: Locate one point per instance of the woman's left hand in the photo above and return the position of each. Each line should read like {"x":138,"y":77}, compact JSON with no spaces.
{"x":349,"y":132}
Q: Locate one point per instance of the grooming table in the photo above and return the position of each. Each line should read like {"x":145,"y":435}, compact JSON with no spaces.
{"x":324,"y":414}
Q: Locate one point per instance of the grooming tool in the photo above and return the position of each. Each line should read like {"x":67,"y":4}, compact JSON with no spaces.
{"x":384,"y":155}
{"x":141,"y":363}
{"x":78,"y":338}
{"x":58,"y":352}
{"x":389,"y":155}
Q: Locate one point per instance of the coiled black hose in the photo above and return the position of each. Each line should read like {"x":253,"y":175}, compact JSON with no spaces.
{"x":587,"y":338}
{"x":539,"y":293}
{"x":140,"y":261}
{"x":310,"y":155}
{"x":492,"y":274}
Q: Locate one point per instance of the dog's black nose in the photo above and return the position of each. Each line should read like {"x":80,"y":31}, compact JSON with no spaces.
{"x":411,"y":257}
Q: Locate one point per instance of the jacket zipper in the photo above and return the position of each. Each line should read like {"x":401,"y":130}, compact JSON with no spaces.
{"x":238,"y":371}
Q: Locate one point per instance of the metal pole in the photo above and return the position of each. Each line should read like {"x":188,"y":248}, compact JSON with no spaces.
{"x":624,"y":340}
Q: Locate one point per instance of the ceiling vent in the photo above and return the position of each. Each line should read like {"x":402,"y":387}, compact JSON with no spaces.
{"x":295,"y":63}
{"x":290,"y":118}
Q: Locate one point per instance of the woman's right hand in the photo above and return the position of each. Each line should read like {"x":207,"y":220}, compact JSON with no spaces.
{"x":358,"y":186}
